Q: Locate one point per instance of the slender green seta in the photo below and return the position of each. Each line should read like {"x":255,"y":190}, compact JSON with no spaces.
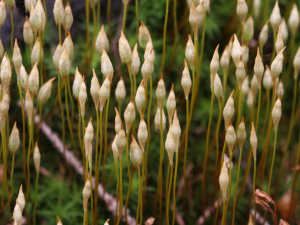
{"x":12,"y":30}
{"x":121,"y":194}
{"x":129,"y":175}
{"x":36,"y":196}
{"x":174,"y":189}
{"x":168,"y":197}
{"x":272,"y":165}
{"x":164,"y":38}
{"x":124,"y":17}
{"x":254,"y":182}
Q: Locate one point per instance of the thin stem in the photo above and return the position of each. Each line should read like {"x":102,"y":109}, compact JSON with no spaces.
{"x":5,"y":167}
{"x":36,"y":196}
{"x":140,"y":197}
{"x":134,"y":86}
{"x":101,"y":146}
{"x":12,"y":175}
{"x":217,"y":211}
{"x":124,"y":17}
{"x":258,"y":109}
{"x":164,"y":38}
{"x":131,"y":82}
{"x":117,"y":188}
{"x":79,"y":137}
{"x":108,"y":19}
{"x":41,"y":59}
{"x":83,"y":132}
{"x":168,"y":197}
{"x":98,"y":12}
{"x":61,"y":112}
{"x":121,"y":194}
{"x":237,"y":183}
{"x":23,"y":121}
{"x":217,"y":134}
{"x":294,"y":177}
{"x":28,"y":160}
{"x":137,"y":18}
{"x":225,"y":73}
{"x":72,"y":113}
{"x":254,"y":181}
{"x":141,"y":186}
{"x":229,"y":192}
{"x":129,"y":175}
{"x":185,"y":155}
{"x":206,"y":147}
{"x":105,"y":142}
{"x":245,"y":176}
{"x":84,"y":217}
{"x":174,"y":188}
{"x":273,"y":158}
{"x":87,"y":12}
{"x":266,"y":6}
{"x":12,"y":29}
{"x":224,"y":212}
{"x":92,"y":204}
{"x":40,"y":120}
{"x":97,"y":169}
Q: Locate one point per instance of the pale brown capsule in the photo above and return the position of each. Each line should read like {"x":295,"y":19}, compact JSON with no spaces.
{"x":31,"y":18}
{"x":6,"y":72}
{"x":214,"y":63}
{"x":106,"y":65}
{"x":36,"y":54}
{"x":240,"y":72}
{"x":294,"y":19}
{"x":10,"y":3}
{"x":157,"y":120}
{"x":279,"y":40}
{"x":277,"y":64}
{"x":245,"y":86}
{"x":37,"y":158}
{"x":82,"y":97}
{"x":242,"y":9}
{"x":225,"y":59}
{"x":68,"y":44}
{"x":17,"y":58}
{"x":277,"y":112}
{"x":23,"y":78}
{"x":14,"y":139}
{"x":21,"y":199}
{"x":77,"y":83}
{"x":263,"y":35}
{"x":64,"y":65}
{"x":267,"y":79}
{"x":170,"y":145}
{"x":186,"y":80}
{"x":2,"y":13}
{"x":258,"y":67}
{"x":33,"y":79}
{"x":86,"y":193}
{"x":4,"y":105}
{"x":190,"y":51}
{"x":230,"y":138}
{"x":149,"y":48}
{"x":171,"y":104}
{"x":120,"y":91}
{"x":101,"y":41}
{"x":142,"y":133}
{"x":224,"y":180}
{"x":58,"y":221}
{"x":230,"y":45}
{"x":249,"y":29}
{"x":218,"y":90}
{"x":254,"y":86}
{"x":201,"y":13}
{"x":250,"y":222}
{"x":280,"y":89}
{"x":228,"y":110}
{"x":135,"y":153}
{"x":245,"y":54}
{"x":17,"y":214}
{"x":121,"y":141}
{"x":148,"y":67}
{"x":28,"y":4}
{"x":28,"y":106}
{"x":194,"y":19}
{"x":140,"y":97}
{"x":58,"y":11}
{"x":118,"y":121}
{"x":275,"y":17}
{"x":176,"y":131}
{"x":135,"y":61}
{"x":115,"y":150}
{"x":160,"y":91}
{"x":68,"y":18}
{"x":56,"y":56}
{"x":124,"y":49}
{"x":129,"y":115}
{"x":256,"y":8}
{"x":284,"y":30}
{"x":241,"y":133}
{"x":104,"y":92}
{"x":143,"y":35}
{"x":88,"y":142}
{"x":45,"y":92}
{"x":106,"y":223}
{"x":236,"y":51}
{"x":296,"y":64}
{"x":253,"y":140}
{"x":94,"y":90}
{"x":38,"y":17}
{"x":250,"y":99}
